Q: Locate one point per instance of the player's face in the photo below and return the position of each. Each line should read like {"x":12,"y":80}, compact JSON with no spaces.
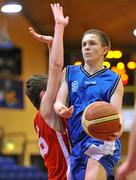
{"x":92,"y":49}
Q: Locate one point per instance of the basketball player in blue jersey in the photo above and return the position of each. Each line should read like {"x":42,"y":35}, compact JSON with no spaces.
{"x":91,"y":159}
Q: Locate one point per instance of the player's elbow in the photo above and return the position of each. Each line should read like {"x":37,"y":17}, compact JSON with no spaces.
{"x":56,"y":64}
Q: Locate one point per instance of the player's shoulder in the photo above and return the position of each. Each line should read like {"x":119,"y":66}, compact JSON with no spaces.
{"x":111,"y":73}
{"x":73,"y":68}
{"x":38,"y":118}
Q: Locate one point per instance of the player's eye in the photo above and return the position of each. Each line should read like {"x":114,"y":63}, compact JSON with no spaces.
{"x":84,"y":44}
{"x":92,"y":43}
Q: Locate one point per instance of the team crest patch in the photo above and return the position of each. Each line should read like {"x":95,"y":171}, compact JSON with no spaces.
{"x":74,"y":86}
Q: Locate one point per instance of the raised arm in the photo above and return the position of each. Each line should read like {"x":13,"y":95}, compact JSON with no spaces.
{"x":55,"y":62}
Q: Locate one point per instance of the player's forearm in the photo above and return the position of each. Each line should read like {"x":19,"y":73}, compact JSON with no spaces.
{"x":57,"y":52}
{"x":61,"y":96}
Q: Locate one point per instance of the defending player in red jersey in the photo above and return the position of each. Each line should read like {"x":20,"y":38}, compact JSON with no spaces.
{"x":42,"y":91}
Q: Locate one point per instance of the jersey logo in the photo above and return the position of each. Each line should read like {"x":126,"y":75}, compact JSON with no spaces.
{"x":74,"y":86}
{"x":90,"y":83}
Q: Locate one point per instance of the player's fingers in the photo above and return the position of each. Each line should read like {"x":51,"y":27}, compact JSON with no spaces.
{"x":61,"y":11}
{"x":58,"y":10}
{"x":67,"y":18}
{"x":71,"y":108}
{"x":31,"y":30}
{"x":53,"y":10}
{"x":65,"y":115}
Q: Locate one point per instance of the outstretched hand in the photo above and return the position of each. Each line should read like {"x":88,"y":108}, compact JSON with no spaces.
{"x":42,"y":38}
{"x":58,"y":15}
{"x":59,"y":19}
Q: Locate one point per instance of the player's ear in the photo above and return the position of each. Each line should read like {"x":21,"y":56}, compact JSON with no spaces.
{"x":105,"y":49}
{"x":42,"y":94}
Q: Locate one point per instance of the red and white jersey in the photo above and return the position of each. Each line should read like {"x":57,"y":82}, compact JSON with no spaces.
{"x":55,"y":148}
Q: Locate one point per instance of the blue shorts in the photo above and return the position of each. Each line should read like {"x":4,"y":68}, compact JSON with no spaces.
{"x":106,"y":153}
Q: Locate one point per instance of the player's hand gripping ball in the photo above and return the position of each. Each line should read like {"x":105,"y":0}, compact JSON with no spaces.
{"x":101,"y":121}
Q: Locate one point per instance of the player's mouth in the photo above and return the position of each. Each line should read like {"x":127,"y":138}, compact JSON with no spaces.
{"x":87,"y":54}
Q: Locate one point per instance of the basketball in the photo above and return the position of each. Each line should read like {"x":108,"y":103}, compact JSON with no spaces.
{"x":101,"y":121}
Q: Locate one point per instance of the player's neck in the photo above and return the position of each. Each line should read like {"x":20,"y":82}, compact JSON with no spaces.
{"x":91,"y":69}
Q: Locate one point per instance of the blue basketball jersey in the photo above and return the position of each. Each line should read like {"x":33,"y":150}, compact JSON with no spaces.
{"x":85,"y":89}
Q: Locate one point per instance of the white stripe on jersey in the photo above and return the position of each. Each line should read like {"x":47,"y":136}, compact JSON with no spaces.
{"x":65,"y":152}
